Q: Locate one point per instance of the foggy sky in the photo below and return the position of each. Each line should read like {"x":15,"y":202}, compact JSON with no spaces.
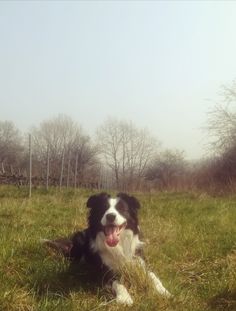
{"x":159,"y":64}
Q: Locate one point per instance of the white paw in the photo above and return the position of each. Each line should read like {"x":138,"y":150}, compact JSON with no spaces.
{"x":167,"y":294}
{"x":122,"y":295}
{"x":124,"y":299}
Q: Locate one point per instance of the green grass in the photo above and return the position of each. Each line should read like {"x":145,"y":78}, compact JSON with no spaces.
{"x":190,"y":244}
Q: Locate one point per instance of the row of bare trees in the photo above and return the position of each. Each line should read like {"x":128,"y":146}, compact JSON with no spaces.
{"x":121,"y":158}
{"x":121,"y":155}
{"x":70,"y":152}
{"x":60,"y":149}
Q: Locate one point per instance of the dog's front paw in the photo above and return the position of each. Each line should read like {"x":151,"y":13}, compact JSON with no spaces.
{"x":167,"y":294}
{"x":122,"y":295}
{"x":124,"y":299}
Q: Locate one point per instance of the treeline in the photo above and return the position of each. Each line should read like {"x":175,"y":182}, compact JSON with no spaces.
{"x":120,"y":156}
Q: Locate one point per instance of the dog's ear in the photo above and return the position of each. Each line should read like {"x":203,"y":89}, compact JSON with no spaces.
{"x":130,"y":200}
{"x":97,"y":199}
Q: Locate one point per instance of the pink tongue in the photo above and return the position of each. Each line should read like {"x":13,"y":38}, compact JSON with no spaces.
{"x":112,"y":238}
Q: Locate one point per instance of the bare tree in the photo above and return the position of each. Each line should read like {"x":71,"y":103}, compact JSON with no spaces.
{"x":127,"y":150}
{"x":11,"y":147}
{"x":167,"y":169}
{"x":221,"y":123}
{"x":221,"y":129}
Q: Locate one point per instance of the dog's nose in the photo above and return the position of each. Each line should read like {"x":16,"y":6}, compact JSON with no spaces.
{"x":110,"y":217}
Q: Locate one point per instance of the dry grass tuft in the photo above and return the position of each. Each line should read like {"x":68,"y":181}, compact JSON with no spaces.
{"x":17,"y":299}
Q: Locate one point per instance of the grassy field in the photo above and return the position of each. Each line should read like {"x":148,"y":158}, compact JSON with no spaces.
{"x":190,"y":244}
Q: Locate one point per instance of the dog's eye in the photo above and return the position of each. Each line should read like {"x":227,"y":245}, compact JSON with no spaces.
{"x":121,"y":207}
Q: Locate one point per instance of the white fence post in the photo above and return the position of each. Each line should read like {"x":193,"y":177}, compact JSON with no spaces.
{"x":62,"y":167}
{"x":47,"y":177}
{"x":76,"y":167}
{"x":30,"y":165}
{"x":68,"y":171}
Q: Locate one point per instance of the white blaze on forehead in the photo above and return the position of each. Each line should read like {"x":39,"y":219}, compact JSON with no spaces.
{"x":119,"y":220}
{"x":113,"y":202}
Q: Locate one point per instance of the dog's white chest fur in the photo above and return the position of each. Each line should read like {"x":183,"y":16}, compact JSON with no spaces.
{"x":115,"y":257}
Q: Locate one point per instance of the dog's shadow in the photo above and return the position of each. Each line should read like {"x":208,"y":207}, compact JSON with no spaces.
{"x":77,"y":277}
{"x":49,"y":274}
{"x":225,"y":300}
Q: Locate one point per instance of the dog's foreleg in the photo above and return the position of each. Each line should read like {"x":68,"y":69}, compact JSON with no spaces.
{"x":122,"y":295}
{"x":155,"y":280}
{"x":158,"y":285}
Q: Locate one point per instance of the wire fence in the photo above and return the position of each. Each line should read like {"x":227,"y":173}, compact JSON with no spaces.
{"x":69,"y":176}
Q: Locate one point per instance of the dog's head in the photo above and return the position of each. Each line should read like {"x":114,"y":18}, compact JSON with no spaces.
{"x":112,"y":216}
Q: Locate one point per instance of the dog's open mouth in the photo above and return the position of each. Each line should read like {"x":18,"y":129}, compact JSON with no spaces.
{"x":112,"y":234}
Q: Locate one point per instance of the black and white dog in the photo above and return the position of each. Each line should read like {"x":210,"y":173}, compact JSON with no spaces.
{"x":110,"y":241}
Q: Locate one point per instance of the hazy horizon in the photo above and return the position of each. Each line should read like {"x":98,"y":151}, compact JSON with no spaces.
{"x":159,"y":64}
